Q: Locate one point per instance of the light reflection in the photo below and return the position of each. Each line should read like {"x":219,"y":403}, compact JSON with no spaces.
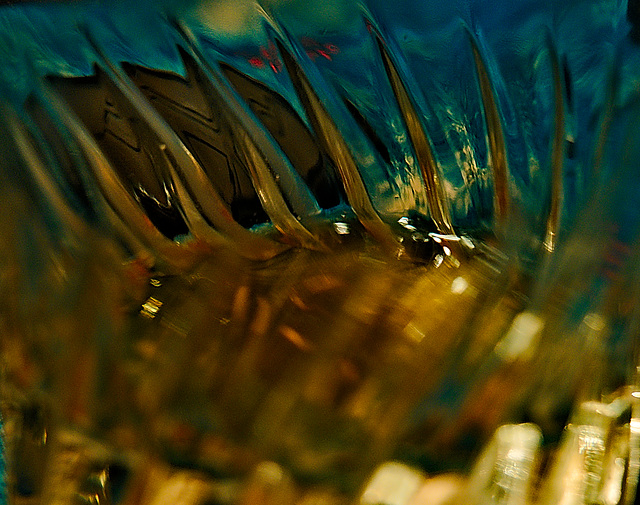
{"x":521,"y":337}
{"x":612,"y":487}
{"x":150,"y":308}
{"x":341,"y":228}
{"x":412,"y":331}
{"x":296,"y":338}
{"x":595,"y":322}
{"x":393,"y":484}
{"x":405,"y":223}
{"x":467,"y":243}
{"x":459,"y":285}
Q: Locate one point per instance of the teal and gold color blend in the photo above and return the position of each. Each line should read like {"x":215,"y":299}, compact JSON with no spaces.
{"x":303,"y":252}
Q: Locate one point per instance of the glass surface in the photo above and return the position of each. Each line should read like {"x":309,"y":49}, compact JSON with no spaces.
{"x":304,"y":252}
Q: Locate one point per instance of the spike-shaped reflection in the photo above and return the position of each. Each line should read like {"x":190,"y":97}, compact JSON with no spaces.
{"x":290,"y":132}
{"x":557,"y":151}
{"x":142,"y":235}
{"x":433,"y":181}
{"x":495,"y":138}
{"x":180,"y":161}
{"x":336,"y":147}
{"x":270,"y":171}
{"x":186,"y":108}
{"x":71,"y":165}
{"x":35,"y":166}
{"x":315,"y":359}
{"x":136,"y":136}
{"x":130,"y":147}
{"x":189,"y":106}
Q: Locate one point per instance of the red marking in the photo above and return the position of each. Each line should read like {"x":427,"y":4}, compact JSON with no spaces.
{"x":269,"y":55}
{"x":332,"y":48}
{"x":315,"y":49}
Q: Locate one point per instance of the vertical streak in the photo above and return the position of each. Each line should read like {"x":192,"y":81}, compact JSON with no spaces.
{"x":495,"y":138}
{"x":45,"y":183}
{"x":605,"y":126}
{"x":557,"y":153}
{"x":431,"y":175}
